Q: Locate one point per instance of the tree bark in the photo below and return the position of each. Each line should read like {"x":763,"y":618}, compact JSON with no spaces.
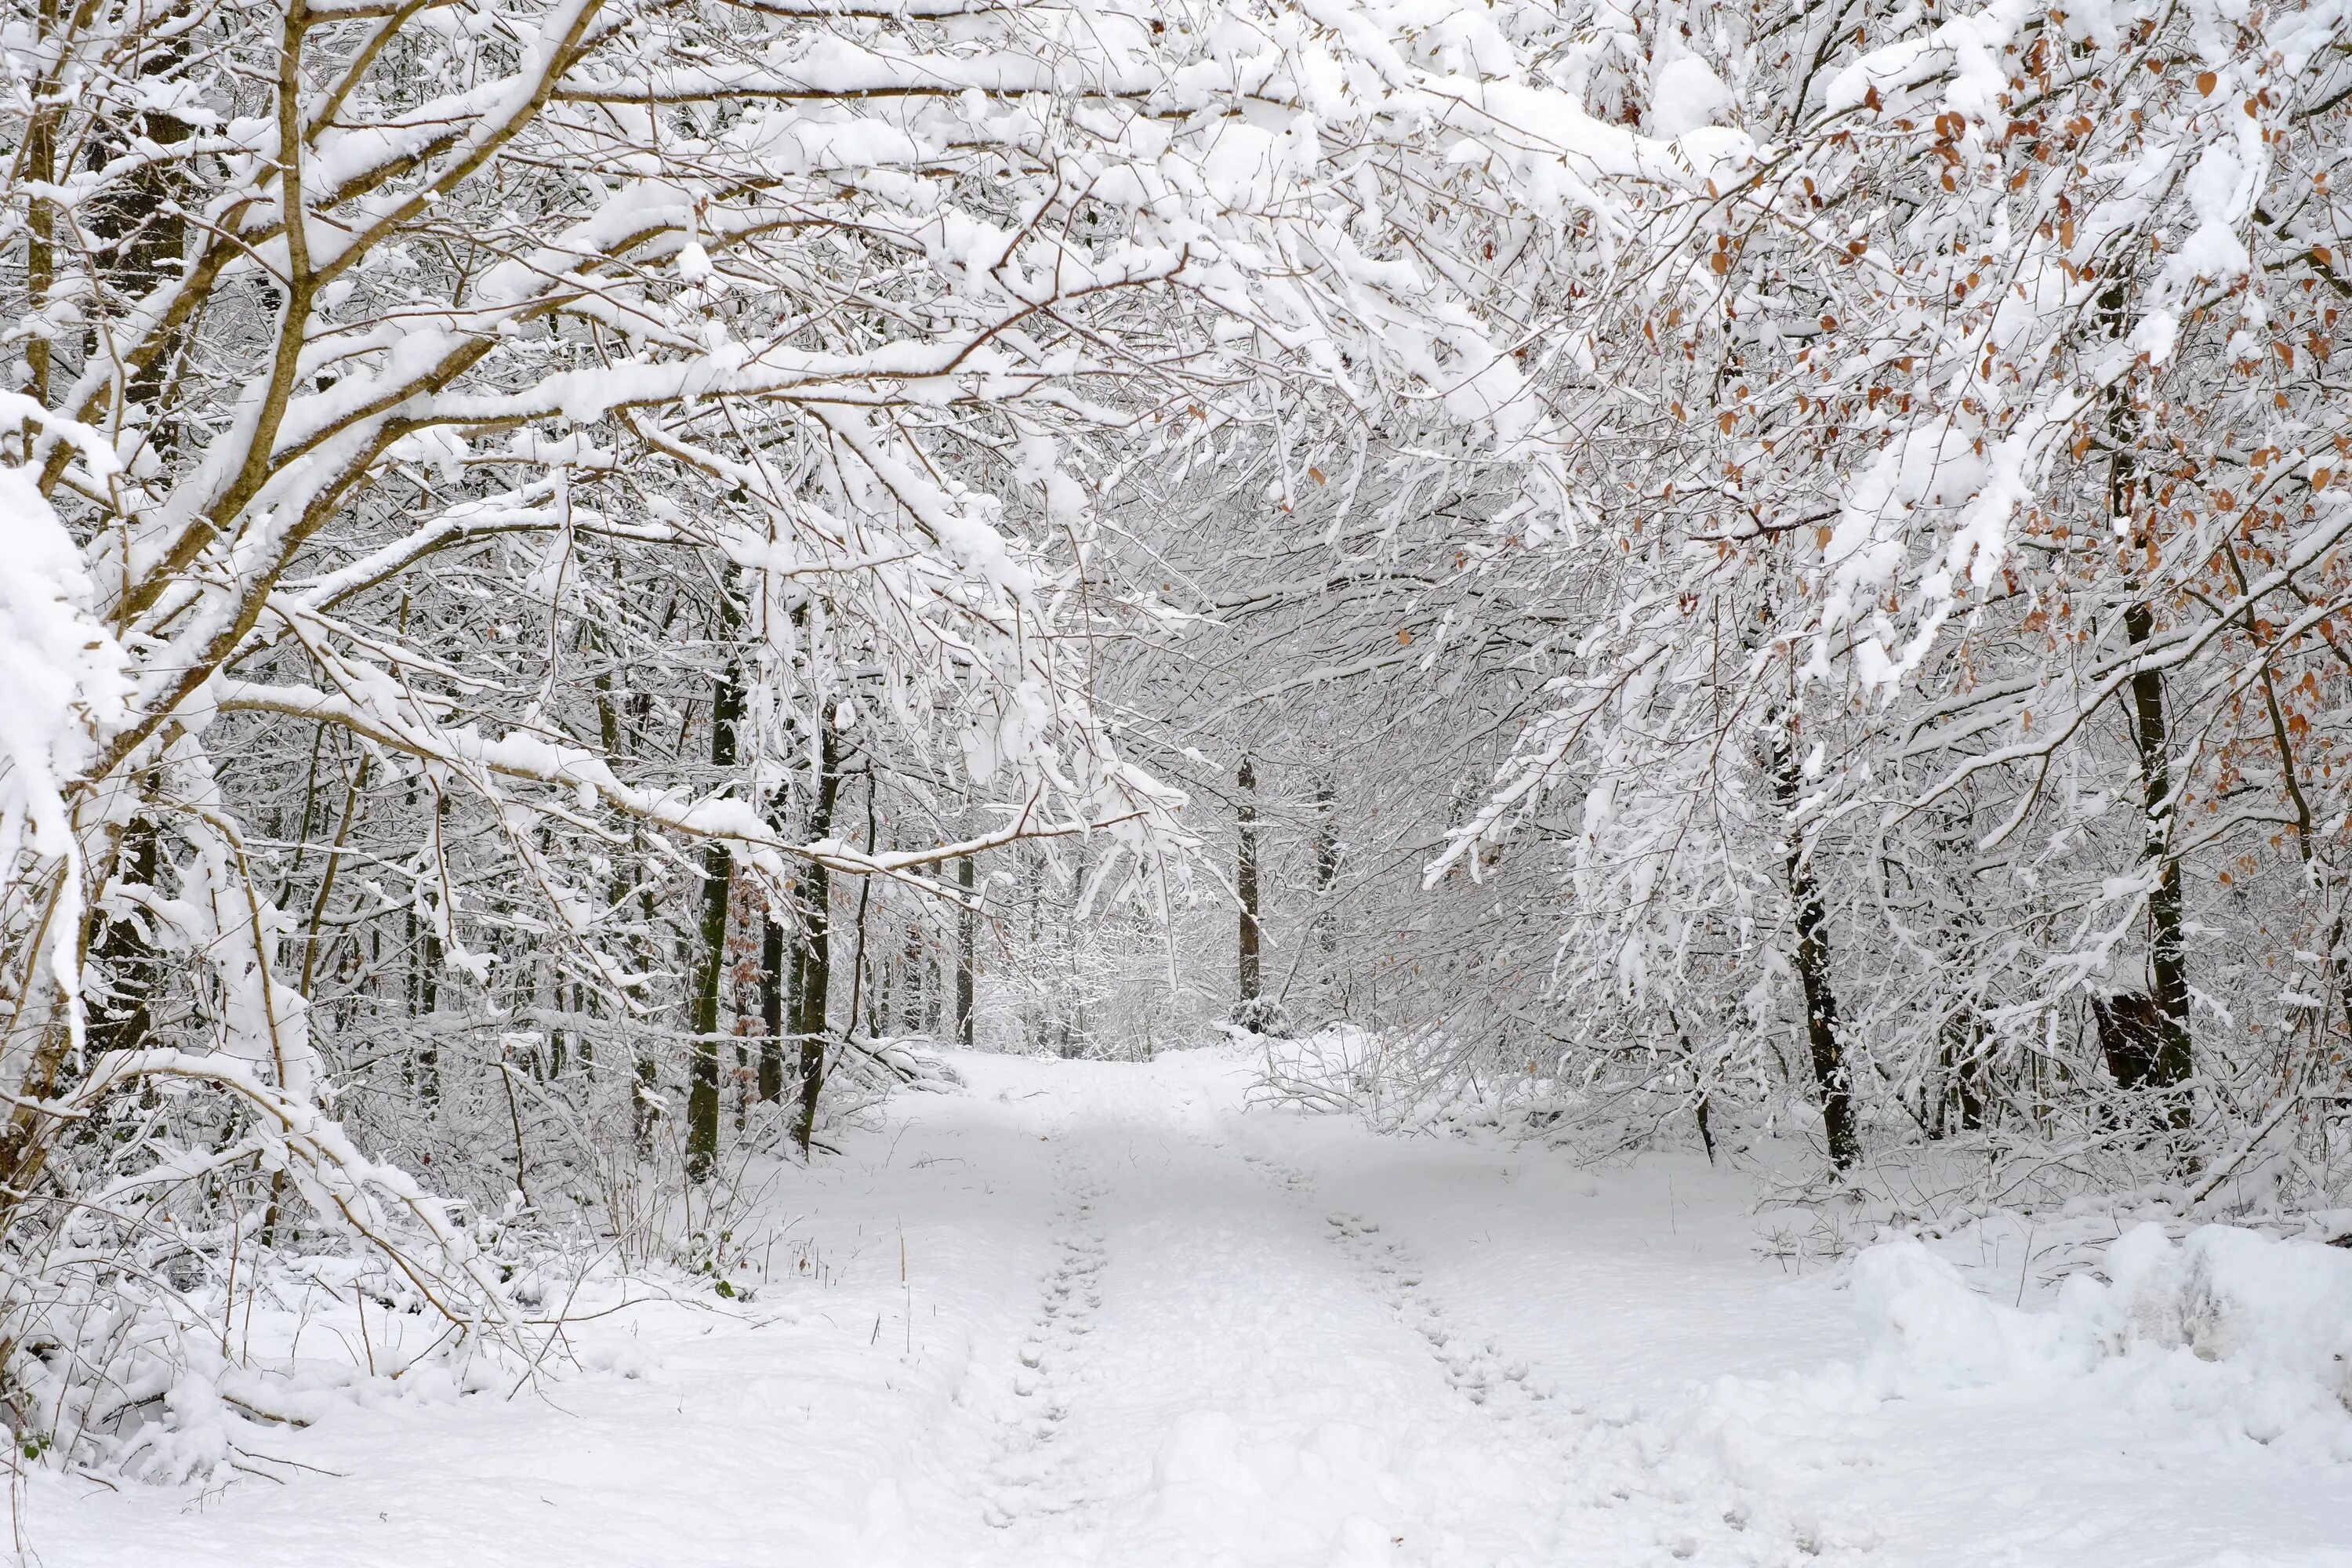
{"x":1245,"y":882}
{"x":142,"y":222}
{"x":40,"y":219}
{"x":1326,"y":863}
{"x":771,"y":1007}
{"x":967,"y":954}
{"x":2167,"y":946}
{"x":123,"y":956}
{"x":1814,"y":970}
{"x":812,"y":955}
{"x":718,"y":886}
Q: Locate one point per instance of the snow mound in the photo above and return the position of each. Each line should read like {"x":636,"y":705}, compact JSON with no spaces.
{"x":2223,"y":1337}
{"x":2225,"y":1341}
{"x":2274,"y":1310}
{"x":1926,"y":1329}
{"x":2222,"y":1294}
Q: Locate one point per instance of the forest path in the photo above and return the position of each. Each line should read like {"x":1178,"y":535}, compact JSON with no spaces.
{"x":1106,"y":1314}
{"x":1285,"y":1342}
{"x":1227,"y":1368}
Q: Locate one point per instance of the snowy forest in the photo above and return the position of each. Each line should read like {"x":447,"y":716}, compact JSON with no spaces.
{"x":599,"y":595}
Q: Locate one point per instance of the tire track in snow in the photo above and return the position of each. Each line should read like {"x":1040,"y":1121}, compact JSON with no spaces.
{"x":1030,"y":1479}
{"x":1608,"y":1458}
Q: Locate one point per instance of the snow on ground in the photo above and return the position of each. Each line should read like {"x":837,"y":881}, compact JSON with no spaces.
{"x":1095,"y":1313}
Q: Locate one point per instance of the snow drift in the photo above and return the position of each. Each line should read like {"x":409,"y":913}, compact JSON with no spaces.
{"x":2227,"y":1333}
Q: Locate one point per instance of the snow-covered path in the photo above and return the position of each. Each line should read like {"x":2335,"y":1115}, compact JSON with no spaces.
{"x":1224,"y":1366}
{"x":1097,"y":1314}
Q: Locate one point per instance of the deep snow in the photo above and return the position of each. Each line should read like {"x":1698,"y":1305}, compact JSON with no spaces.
{"x":1098,"y":1313}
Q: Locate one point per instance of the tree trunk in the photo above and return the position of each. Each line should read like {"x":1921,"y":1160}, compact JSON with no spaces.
{"x":718,"y":887}
{"x":1245,"y":883}
{"x":771,"y":1007}
{"x":141,"y":220}
{"x":967,"y":953}
{"x":813,"y":956}
{"x":1814,"y":970}
{"x":2167,"y":946}
{"x":123,"y":956}
{"x":40,"y":172}
{"x":1326,"y":863}
{"x":428,"y":1062}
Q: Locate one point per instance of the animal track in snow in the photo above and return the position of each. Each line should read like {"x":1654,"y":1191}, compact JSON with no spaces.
{"x":1027,"y":1480}
{"x":1611,"y":1459}
{"x":1481,"y":1370}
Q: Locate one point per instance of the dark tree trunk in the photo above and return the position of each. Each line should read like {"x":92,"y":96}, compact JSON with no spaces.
{"x":2131,"y":1037}
{"x":1702,"y":1110}
{"x":702,"y":1017}
{"x":123,"y":956}
{"x":717,"y":889}
{"x":771,"y":1007}
{"x":428,"y":1060}
{"x":776,"y":977}
{"x":1245,"y":882}
{"x":967,"y":953}
{"x":1813,"y":971}
{"x":813,"y":956}
{"x":2173,"y":1062}
{"x":145,"y":230}
{"x":2167,"y":945}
